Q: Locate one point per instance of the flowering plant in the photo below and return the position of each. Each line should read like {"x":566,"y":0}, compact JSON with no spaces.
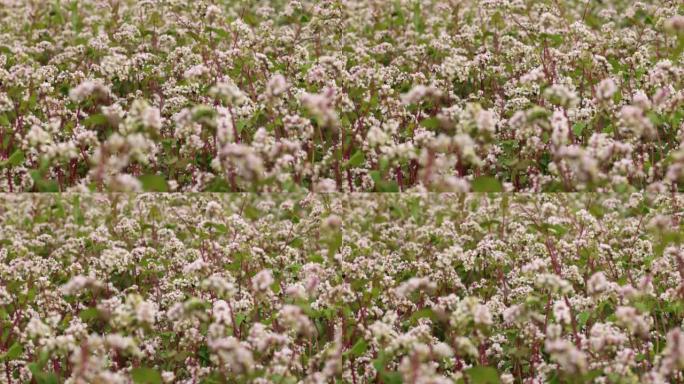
{"x":432,"y":95}
{"x":299,"y":107}
{"x":204,"y":288}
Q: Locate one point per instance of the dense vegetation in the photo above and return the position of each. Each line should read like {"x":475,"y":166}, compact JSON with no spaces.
{"x":183,"y":288}
{"x":538,"y":146}
{"x":333,"y":95}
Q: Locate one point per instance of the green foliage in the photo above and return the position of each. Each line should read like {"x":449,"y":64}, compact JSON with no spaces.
{"x":13,"y":352}
{"x":145,"y":376}
{"x":483,"y":375}
{"x":16,"y":159}
{"x":356,"y":160}
{"x":486,"y":184}
{"x":358,"y":349}
{"x":154,"y":183}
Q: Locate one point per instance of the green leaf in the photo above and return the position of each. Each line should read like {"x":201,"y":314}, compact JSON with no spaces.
{"x":4,"y":121}
{"x":41,"y":377}
{"x":218,"y":185}
{"x":89,"y":314}
{"x":12,"y":353}
{"x":356,"y":160}
{"x":483,"y":375}
{"x":486,"y":184}
{"x":154,"y":183}
{"x":392,"y":377}
{"x":557,"y":229}
{"x":214,"y":378}
{"x":145,"y":376}
{"x":577,"y":128}
{"x":222,"y":33}
{"x":556,"y":39}
{"x":95,"y":120}
{"x":381,"y":185}
{"x":76,"y":22}
{"x":420,"y":314}
{"x":590,"y":376}
{"x":418,"y":20}
{"x":16,"y":159}
{"x":240,"y":318}
{"x":358,"y":349}
{"x":334,"y":242}
{"x":218,"y":228}
{"x":655,"y":118}
{"x":242,"y":124}
{"x":42,"y":184}
{"x":582,"y":318}
{"x":430,"y":123}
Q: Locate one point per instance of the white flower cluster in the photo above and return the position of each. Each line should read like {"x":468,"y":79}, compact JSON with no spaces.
{"x":434,"y":288}
{"x":283,"y":114}
{"x":347,"y":96}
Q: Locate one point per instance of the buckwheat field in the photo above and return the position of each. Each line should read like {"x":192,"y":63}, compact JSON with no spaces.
{"x":341,"y":191}
{"x":343,"y":95}
{"x":178,"y":288}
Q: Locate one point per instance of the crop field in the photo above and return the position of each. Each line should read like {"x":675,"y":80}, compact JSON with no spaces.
{"x":438,"y":288}
{"x":348,"y":96}
{"x":341,"y":191}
